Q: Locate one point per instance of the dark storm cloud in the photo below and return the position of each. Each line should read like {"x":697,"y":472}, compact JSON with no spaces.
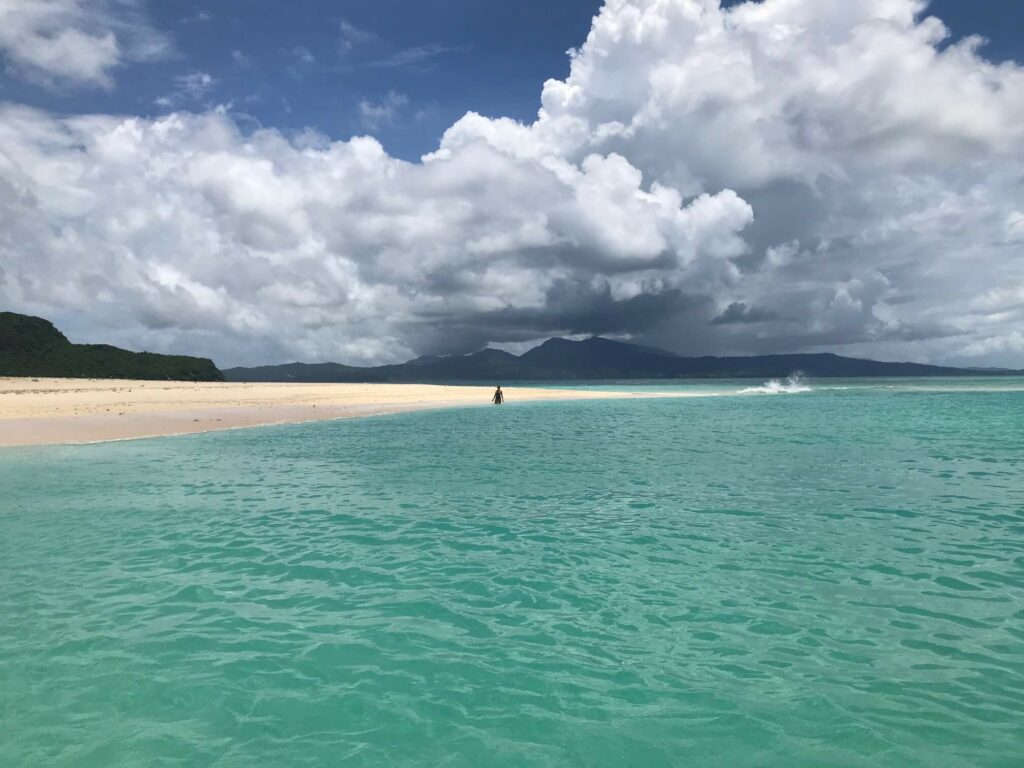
{"x":740,"y":313}
{"x":570,"y":308}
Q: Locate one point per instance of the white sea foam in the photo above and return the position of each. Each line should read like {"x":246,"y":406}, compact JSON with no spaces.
{"x":791,"y":386}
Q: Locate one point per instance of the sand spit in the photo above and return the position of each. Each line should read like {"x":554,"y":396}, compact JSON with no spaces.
{"x":39,"y":411}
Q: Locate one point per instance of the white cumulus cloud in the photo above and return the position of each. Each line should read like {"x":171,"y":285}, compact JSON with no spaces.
{"x":76,"y":42}
{"x":183,"y":232}
{"x":782,"y":175}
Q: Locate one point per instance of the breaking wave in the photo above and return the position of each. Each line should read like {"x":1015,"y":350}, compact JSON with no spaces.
{"x":791,"y":386}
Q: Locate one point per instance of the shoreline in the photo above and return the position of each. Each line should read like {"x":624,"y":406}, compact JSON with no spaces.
{"x":47,"y":411}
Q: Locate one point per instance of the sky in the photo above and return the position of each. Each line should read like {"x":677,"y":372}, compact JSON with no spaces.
{"x":263,"y":182}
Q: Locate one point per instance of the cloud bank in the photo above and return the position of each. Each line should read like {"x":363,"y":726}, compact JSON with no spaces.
{"x":783,"y":175}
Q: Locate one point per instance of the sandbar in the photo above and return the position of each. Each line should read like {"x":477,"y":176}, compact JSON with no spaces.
{"x":43,"y":411}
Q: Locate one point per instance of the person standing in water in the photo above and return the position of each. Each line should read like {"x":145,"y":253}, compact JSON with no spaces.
{"x":499,"y":396}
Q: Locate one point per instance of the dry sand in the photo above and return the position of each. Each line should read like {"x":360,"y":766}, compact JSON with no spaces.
{"x":45,"y":411}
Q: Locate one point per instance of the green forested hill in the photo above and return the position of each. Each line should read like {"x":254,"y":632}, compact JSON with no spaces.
{"x":32,"y":346}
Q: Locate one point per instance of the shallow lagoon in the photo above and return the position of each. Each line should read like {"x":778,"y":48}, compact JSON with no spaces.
{"x":833,"y":576}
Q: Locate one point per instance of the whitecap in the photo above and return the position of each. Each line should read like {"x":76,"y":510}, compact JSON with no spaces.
{"x":791,"y":386}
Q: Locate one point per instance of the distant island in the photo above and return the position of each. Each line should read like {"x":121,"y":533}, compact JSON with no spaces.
{"x":32,"y":346}
{"x":593,"y":359}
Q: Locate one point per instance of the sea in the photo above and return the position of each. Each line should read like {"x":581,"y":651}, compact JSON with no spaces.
{"x":792,"y":573}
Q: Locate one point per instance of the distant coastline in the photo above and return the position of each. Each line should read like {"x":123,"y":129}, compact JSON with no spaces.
{"x":596,"y":359}
{"x":32,"y":346}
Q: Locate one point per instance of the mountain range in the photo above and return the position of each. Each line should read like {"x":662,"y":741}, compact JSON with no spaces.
{"x":593,"y":359}
{"x":32,"y":346}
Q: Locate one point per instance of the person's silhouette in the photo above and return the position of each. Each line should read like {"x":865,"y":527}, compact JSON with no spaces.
{"x":499,"y":396}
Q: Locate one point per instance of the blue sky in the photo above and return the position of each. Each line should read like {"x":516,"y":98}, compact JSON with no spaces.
{"x":310,"y":63}
{"x":416,"y":66}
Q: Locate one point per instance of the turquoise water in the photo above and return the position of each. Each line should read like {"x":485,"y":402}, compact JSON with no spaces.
{"x":831,"y":577}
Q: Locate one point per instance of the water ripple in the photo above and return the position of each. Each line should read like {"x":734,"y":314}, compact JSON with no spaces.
{"x":830,"y":579}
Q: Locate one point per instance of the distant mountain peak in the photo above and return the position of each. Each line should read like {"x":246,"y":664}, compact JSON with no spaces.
{"x":491,"y":352}
{"x":596,"y":358}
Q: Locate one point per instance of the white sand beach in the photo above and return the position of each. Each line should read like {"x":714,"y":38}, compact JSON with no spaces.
{"x":40,"y":411}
